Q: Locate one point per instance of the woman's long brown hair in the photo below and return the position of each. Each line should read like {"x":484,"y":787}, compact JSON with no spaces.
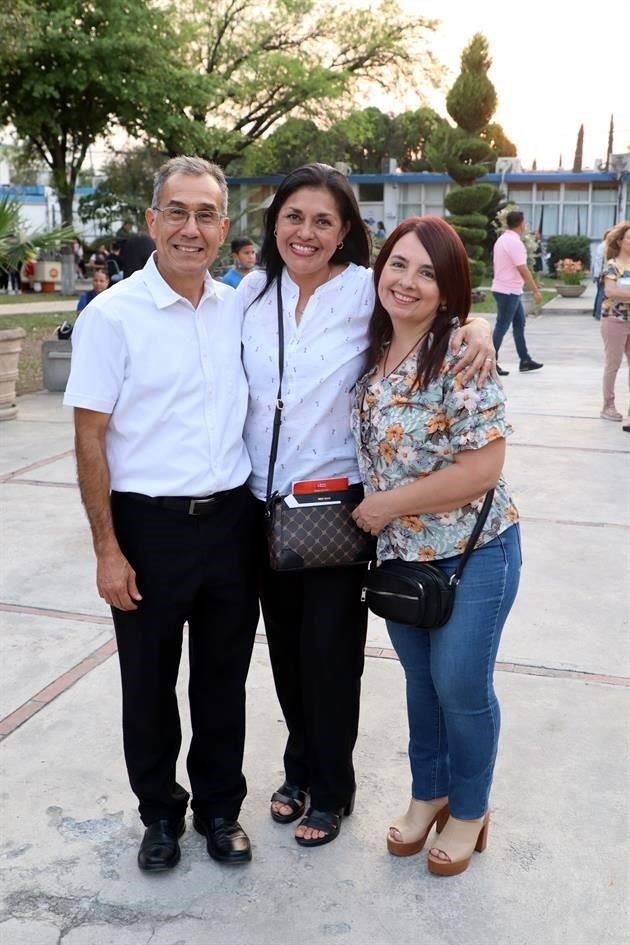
{"x":452,"y":274}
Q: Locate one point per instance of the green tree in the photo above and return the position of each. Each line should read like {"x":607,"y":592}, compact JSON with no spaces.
{"x":579,"y":150}
{"x":188,"y":76}
{"x":362,"y":140}
{"x":409,"y":134}
{"x":609,"y":146}
{"x":303,"y":58}
{"x":125,"y":190}
{"x":75,"y":68}
{"x":296,"y":141}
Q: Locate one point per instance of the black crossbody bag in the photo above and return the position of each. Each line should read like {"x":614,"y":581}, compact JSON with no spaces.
{"x":324,"y":536}
{"x":414,"y":593}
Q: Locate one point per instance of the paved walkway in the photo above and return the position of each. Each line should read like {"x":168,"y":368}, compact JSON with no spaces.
{"x":556,"y":868}
{"x":37,"y":303}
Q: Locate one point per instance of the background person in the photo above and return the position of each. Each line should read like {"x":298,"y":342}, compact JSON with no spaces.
{"x":538,"y":252}
{"x":112,"y":262}
{"x":429,"y":447}
{"x":173,"y":540}
{"x":615,"y":321}
{"x":243,"y":260}
{"x":100,"y":282}
{"x":510,"y":273}
{"x":98,"y":257}
{"x":316,"y":246}
{"x":597,"y":275}
{"x":135,"y":252}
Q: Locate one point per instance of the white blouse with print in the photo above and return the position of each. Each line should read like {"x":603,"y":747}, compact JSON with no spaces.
{"x":323,"y":358}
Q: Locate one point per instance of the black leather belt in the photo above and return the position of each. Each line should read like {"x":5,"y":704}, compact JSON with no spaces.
{"x":189,"y":505}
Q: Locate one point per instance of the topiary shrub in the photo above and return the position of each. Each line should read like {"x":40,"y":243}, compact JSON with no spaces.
{"x":469,"y":199}
{"x":476,"y":220}
{"x":568,"y":247}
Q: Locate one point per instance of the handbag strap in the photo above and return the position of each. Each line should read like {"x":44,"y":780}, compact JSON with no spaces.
{"x":468,"y":550}
{"x":277,"y":417}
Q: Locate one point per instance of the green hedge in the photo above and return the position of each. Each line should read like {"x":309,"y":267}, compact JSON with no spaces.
{"x":568,"y":247}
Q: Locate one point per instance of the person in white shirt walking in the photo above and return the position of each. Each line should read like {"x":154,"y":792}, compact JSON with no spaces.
{"x":510,"y":273}
{"x":316,"y":246}
{"x":160,"y":398}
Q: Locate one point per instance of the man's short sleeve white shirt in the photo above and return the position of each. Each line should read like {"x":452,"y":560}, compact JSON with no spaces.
{"x":172,"y":379}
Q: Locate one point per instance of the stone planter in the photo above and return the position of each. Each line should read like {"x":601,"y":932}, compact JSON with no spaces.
{"x":10,"y":347}
{"x":571,"y":291}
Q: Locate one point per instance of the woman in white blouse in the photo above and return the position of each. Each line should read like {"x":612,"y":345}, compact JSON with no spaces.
{"x":316,"y":244}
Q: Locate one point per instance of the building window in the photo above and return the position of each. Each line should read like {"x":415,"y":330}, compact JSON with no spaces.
{"x":371,"y":193}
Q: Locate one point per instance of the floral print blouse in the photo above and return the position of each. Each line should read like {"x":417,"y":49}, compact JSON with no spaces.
{"x":620,"y":272}
{"x":403,"y":433}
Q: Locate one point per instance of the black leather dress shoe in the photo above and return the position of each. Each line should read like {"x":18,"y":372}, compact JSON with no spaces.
{"x":159,"y":849}
{"x":501,"y":372}
{"x":227,"y":841}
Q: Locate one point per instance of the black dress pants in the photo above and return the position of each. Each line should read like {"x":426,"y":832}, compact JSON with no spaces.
{"x":316,"y":628}
{"x":199,"y":569}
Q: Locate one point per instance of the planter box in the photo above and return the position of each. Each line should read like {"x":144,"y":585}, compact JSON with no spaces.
{"x":571,"y":291}
{"x":56,"y":364}
{"x":10,"y":347}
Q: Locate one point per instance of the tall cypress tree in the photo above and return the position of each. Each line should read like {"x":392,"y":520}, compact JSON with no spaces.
{"x":579,"y":148}
{"x":609,"y":150}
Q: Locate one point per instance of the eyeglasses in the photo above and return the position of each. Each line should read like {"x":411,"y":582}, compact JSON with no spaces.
{"x":177,"y":216}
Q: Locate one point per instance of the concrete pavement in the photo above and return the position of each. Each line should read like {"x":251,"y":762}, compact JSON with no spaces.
{"x":556,"y":868}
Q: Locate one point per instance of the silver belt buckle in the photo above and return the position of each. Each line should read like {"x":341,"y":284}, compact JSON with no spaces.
{"x":194,"y":502}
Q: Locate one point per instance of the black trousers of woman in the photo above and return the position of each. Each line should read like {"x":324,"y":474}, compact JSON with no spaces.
{"x":200,"y":569}
{"x":316,"y":628}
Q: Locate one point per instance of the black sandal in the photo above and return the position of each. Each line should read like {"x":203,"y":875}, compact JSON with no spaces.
{"x":294,"y":797}
{"x":324,"y":820}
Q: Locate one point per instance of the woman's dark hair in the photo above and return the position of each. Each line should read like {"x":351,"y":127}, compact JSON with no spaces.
{"x":452,"y":274}
{"x":240,"y":243}
{"x":356,"y":245}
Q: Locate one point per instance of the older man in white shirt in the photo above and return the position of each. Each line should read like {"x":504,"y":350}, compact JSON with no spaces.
{"x":160,"y":399}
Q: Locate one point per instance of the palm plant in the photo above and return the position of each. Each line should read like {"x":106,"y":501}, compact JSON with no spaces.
{"x":15,"y":244}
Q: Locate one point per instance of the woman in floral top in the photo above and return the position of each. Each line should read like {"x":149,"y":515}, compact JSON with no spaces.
{"x":615,"y":323}
{"x":429,"y":448}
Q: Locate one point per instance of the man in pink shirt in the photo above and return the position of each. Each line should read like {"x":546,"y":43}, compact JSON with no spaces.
{"x":510,"y":272}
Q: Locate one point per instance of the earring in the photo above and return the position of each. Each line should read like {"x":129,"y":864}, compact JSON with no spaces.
{"x":442,"y":309}
{"x":340,"y":245}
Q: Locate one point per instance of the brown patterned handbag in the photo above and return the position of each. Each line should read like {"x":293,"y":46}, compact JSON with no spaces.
{"x":319,"y":536}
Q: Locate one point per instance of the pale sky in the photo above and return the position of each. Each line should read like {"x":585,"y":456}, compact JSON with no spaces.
{"x":555,"y":65}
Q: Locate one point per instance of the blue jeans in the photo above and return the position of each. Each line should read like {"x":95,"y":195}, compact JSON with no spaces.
{"x":452,"y":707}
{"x":510,"y":311}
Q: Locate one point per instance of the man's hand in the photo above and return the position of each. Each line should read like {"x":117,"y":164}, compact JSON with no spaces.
{"x":116,"y":581}
{"x":374,"y":513}
{"x":537,"y":295}
{"x":479,"y":359}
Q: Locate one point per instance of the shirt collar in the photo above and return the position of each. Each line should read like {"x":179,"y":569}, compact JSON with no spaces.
{"x":163,"y":294}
